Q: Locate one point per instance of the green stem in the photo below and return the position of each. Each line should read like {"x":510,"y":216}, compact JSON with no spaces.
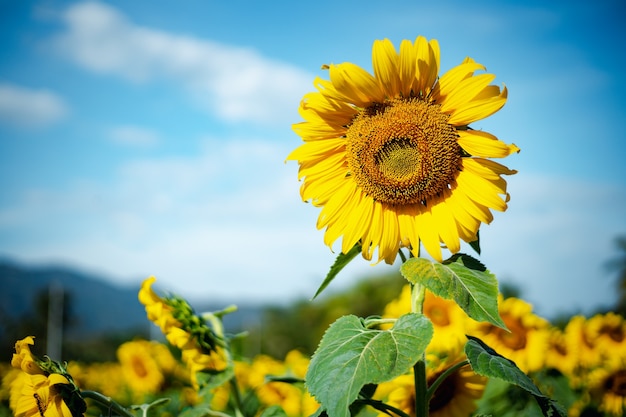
{"x":418,"y":292}
{"x":381,"y":406}
{"x":431,"y":390}
{"x":421,"y":400}
{"x":377,"y":322}
{"x":107,"y":403}
{"x":237,"y":397}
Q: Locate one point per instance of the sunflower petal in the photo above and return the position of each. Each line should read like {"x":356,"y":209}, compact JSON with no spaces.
{"x":355,"y":84}
{"x":385,"y":62}
{"x":485,"y":145}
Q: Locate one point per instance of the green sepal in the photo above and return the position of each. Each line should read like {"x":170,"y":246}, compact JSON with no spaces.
{"x":476,"y":243}
{"x":351,"y":356}
{"x":487,"y":362}
{"x":462,"y":279}
{"x":340,"y":262}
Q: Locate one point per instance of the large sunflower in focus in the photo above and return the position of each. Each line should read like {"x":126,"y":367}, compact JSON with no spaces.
{"x":391,"y":157}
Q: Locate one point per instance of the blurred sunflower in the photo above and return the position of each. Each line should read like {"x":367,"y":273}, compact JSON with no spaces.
{"x":579,"y":341}
{"x":391,"y":157}
{"x":559,"y":355}
{"x":527,"y":339}
{"x":456,"y":396}
{"x":607,"y":332}
{"x":140,"y":369}
{"x":607,"y":385}
{"x":201,"y":348}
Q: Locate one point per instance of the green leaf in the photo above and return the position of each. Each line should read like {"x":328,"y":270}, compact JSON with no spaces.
{"x":207,"y":380}
{"x":487,"y":362}
{"x":351,"y":356}
{"x":342,"y":260}
{"x":274,"y":411}
{"x":462,"y":279}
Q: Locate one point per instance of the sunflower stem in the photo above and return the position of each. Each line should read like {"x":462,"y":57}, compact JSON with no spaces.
{"x":418,"y":292}
{"x":236,"y":397}
{"x":106,"y":403}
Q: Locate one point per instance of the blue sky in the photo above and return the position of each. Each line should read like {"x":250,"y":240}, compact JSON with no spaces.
{"x":141,"y":138}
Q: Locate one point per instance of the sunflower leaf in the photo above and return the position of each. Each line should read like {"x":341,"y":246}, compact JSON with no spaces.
{"x":350,"y":356}
{"x":487,"y":362}
{"x":342,"y":260}
{"x":462,"y":279}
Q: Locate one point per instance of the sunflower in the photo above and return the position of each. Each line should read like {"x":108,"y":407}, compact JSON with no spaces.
{"x":607,"y":385}
{"x":43,"y":387}
{"x":40,"y":395}
{"x":456,"y":396}
{"x":141,"y":370}
{"x":559,"y":354}
{"x":527,"y":339}
{"x":607,"y":332}
{"x":391,"y":157}
{"x":200,"y":346}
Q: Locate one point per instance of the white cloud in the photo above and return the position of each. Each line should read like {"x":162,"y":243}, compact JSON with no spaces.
{"x":237,"y":84}
{"x":134,"y":136}
{"x":26,"y":107}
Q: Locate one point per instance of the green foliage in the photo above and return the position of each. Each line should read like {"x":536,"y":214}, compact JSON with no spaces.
{"x":342,"y":260}
{"x":462,"y":279}
{"x":487,"y":362}
{"x":302,"y":324}
{"x":274,"y":411}
{"x":352,"y":355}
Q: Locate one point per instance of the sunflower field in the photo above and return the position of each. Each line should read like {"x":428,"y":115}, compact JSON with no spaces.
{"x":398,"y":174}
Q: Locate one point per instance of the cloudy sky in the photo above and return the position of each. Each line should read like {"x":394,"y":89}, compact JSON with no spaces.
{"x":141,"y":138}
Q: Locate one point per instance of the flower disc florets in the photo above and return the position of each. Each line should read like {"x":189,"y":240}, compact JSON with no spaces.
{"x":403,"y":152}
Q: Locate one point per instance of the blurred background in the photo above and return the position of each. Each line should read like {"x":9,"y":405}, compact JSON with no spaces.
{"x":149,"y":138}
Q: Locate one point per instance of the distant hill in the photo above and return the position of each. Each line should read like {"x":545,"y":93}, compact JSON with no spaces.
{"x":96,"y":306}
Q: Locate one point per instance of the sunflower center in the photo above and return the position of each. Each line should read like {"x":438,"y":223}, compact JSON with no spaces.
{"x":616,"y":383}
{"x":444,"y":394}
{"x":139,"y":367}
{"x":403,"y":151}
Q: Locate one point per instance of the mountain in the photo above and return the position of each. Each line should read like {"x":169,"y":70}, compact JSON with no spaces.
{"x":95,"y":305}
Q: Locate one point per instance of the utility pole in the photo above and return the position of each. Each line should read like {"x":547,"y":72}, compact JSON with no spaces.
{"x":55,"y":321}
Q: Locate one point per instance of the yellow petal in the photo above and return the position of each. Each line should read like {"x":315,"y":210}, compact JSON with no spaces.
{"x":318,"y":149}
{"x":446,"y":224}
{"x":428,"y":234}
{"x":385,"y":62}
{"x":465,"y":91}
{"x":480,"y":190}
{"x":477,"y":109}
{"x":355,"y":84}
{"x":450,"y":80}
{"x":407,"y":67}
{"x":390,"y":241}
{"x":334,"y":206}
{"x":427,"y":64}
{"x":483,"y":144}
{"x":54,"y":379}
